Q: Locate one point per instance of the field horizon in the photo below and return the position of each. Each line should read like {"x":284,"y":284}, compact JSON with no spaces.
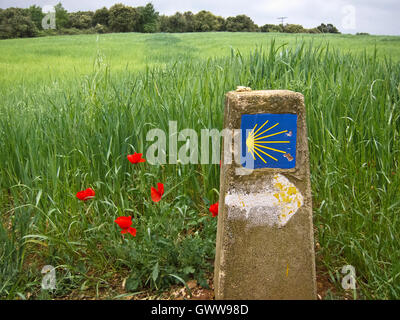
{"x":55,"y":58}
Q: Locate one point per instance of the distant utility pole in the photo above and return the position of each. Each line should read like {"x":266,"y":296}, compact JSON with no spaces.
{"x":282,"y":19}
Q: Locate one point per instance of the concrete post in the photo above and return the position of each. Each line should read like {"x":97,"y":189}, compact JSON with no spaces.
{"x":265,"y":245}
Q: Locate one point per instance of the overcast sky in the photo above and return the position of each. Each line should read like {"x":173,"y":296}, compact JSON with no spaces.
{"x":372,"y":16}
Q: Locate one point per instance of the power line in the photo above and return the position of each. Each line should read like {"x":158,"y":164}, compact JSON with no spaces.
{"x":282,"y":19}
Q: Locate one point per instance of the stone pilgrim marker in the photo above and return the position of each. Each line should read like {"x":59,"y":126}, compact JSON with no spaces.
{"x":265,"y":245}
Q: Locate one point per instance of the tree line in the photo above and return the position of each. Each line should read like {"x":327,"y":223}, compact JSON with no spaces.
{"x":19,"y":22}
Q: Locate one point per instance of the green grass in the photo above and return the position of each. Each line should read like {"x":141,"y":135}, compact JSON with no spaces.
{"x":74,"y":126}
{"x":50,"y":59}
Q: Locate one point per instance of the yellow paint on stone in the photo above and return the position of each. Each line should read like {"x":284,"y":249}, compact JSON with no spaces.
{"x":292,"y":190}
{"x":279,"y":185}
{"x":287,"y":195}
{"x":279,"y":197}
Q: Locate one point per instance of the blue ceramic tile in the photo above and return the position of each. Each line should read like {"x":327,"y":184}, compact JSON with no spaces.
{"x":269,"y":140}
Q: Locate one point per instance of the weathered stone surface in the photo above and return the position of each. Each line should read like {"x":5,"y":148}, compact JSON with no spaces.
{"x":265,"y":245}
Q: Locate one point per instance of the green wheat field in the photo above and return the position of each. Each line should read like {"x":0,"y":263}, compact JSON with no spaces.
{"x":73,"y":107}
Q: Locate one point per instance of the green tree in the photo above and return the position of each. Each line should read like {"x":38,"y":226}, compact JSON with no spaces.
{"x":189,"y":21}
{"x":294,"y":28}
{"x":313,"y":30}
{"x":271,"y":28}
{"x":206,"y":21}
{"x":240,"y":23}
{"x":16,"y":22}
{"x":174,"y":23}
{"x":36,"y":15}
{"x":123,"y":18}
{"x":332,"y":28}
{"x":221,"y":24}
{"x":99,"y":28}
{"x":81,"y":19}
{"x":177,"y":23}
{"x":148,"y":18}
{"x":101,"y":17}
{"x":266,"y":27}
{"x":327,"y":28}
{"x":62,"y":17}
{"x":163,"y":22}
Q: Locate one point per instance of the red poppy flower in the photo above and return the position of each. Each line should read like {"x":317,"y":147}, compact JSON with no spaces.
{"x":85,"y":194}
{"x":136,"y":158}
{"x":125,"y":224}
{"x":214,"y":209}
{"x":156,"y":194}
